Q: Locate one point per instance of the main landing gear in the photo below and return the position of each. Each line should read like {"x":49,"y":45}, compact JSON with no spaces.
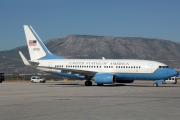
{"x":88,"y":83}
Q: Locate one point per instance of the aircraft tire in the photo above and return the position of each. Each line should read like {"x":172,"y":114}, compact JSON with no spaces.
{"x":155,"y":85}
{"x":88,"y":83}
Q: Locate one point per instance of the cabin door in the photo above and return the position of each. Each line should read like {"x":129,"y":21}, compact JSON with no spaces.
{"x":149,"y":69}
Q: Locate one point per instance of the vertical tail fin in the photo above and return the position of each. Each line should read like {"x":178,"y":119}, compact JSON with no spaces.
{"x":36,"y":47}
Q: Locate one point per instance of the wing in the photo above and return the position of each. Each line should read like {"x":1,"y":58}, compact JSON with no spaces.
{"x":68,"y":71}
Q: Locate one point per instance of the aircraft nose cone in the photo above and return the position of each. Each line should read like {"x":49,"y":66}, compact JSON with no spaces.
{"x":171,"y":72}
{"x":174,"y":73}
{"x":177,"y":73}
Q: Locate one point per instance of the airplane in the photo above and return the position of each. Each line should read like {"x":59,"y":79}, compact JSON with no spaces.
{"x":102,"y":71}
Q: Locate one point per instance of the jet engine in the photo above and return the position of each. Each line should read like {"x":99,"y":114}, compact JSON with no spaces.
{"x":104,"y":78}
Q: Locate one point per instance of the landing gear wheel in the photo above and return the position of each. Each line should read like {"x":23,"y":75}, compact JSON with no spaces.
{"x":88,"y":83}
{"x":155,"y":85}
{"x":175,"y":82}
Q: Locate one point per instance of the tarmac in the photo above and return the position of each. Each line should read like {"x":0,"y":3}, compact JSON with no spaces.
{"x":72,"y":100}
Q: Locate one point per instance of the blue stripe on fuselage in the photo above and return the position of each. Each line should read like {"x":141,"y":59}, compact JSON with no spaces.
{"x":160,"y":73}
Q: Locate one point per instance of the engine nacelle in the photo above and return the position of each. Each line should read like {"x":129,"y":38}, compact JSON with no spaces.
{"x":104,"y":78}
{"x":124,"y":81}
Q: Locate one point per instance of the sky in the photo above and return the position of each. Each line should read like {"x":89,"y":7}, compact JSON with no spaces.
{"x":60,"y":18}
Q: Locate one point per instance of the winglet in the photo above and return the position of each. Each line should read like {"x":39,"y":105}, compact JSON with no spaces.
{"x":24,"y":59}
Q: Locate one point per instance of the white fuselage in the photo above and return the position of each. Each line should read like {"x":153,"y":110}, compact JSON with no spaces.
{"x":101,"y":66}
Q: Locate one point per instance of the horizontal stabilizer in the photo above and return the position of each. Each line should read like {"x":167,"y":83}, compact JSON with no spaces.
{"x":24,"y":59}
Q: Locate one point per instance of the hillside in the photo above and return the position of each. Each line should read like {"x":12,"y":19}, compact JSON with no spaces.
{"x":88,"y":46}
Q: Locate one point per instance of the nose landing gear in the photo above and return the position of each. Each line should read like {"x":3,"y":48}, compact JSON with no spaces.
{"x":156,"y":82}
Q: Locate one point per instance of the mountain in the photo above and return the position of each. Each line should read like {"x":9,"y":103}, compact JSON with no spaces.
{"x":91,"y":47}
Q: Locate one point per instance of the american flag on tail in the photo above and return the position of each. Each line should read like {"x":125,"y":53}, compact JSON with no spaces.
{"x":32,"y":42}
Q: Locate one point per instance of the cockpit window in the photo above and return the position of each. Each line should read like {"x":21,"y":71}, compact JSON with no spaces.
{"x":163,"y":67}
